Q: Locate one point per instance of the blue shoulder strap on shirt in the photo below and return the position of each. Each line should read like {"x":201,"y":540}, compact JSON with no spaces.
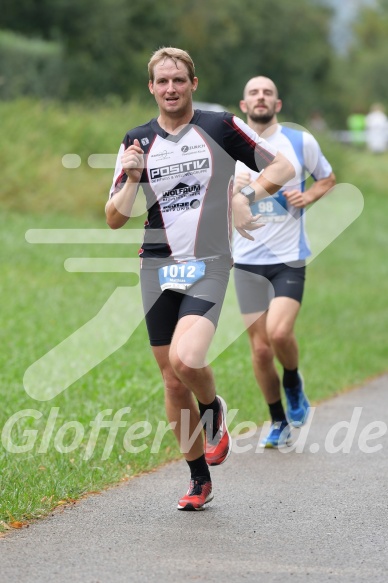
{"x":296,"y":139}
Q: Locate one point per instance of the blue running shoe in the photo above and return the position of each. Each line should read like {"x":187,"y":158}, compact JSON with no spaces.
{"x":279,"y":435}
{"x":298,"y":405}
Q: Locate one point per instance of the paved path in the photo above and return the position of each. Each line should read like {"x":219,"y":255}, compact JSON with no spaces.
{"x":309,"y":516}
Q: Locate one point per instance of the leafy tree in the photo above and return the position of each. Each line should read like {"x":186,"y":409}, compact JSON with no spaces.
{"x":367,"y":60}
{"x":107,"y":44}
{"x":30,"y":67}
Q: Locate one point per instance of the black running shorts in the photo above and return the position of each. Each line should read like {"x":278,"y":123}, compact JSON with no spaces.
{"x":257,"y":285}
{"x":163,"y":309}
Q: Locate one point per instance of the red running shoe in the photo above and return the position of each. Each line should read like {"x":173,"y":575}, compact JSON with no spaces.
{"x":198,"y":494}
{"x":218,"y":449}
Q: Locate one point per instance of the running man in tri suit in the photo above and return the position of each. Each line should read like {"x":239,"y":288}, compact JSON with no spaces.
{"x":184,"y":160}
{"x":270,"y":272}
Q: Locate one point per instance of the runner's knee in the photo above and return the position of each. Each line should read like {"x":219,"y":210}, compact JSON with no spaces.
{"x":262,"y":353}
{"x":279,"y":336}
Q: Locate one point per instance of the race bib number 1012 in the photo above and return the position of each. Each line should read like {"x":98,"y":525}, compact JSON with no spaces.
{"x":181,"y":275}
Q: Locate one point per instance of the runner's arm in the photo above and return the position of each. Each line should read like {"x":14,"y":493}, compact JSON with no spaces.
{"x":316,"y":191}
{"x":119,"y":207}
{"x":274,"y":176}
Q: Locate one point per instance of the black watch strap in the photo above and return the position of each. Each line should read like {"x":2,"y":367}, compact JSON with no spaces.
{"x":249,"y":192}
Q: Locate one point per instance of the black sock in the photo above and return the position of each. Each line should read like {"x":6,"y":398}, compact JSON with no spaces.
{"x":199,"y":469}
{"x":211,"y":428}
{"x":290,"y":378}
{"x":276,"y":411}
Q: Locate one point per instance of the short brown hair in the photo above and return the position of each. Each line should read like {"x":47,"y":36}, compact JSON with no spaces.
{"x":175,"y":55}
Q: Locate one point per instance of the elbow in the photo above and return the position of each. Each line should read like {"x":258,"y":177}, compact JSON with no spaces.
{"x":109,"y":221}
{"x":114,"y":219}
{"x":112,"y":224}
{"x":108,"y":216}
{"x":329,"y":183}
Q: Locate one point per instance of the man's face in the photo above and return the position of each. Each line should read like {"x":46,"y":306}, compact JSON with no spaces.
{"x":172,"y":87}
{"x":261,"y":102}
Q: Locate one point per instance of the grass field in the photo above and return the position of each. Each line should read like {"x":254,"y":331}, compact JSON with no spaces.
{"x":341,"y":329}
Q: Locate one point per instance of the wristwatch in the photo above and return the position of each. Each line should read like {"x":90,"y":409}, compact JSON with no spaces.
{"x":249,"y":192}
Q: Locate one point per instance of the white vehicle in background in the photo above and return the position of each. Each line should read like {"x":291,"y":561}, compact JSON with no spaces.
{"x":208,"y":106}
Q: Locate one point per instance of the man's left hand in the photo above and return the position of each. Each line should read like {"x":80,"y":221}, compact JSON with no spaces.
{"x":297,"y":198}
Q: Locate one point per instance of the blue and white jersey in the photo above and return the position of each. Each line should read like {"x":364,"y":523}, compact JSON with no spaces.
{"x":283,"y":238}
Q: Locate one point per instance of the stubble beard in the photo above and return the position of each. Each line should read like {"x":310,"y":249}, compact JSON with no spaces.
{"x":263,"y":118}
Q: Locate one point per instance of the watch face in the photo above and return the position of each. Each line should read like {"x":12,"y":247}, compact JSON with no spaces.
{"x":249,"y":192}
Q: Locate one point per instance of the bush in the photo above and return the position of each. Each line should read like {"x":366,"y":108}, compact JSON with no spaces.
{"x":30,"y":67}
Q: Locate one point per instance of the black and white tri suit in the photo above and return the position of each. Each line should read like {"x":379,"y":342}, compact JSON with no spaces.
{"x":187,"y":181}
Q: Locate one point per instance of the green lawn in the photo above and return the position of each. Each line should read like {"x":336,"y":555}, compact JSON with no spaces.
{"x":341,"y":331}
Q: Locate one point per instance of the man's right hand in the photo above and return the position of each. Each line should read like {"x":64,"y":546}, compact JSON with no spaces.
{"x":242,"y":217}
{"x":132,"y":161}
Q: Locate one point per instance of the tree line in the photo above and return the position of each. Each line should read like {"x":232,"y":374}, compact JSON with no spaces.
{"x":99,"y":49}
